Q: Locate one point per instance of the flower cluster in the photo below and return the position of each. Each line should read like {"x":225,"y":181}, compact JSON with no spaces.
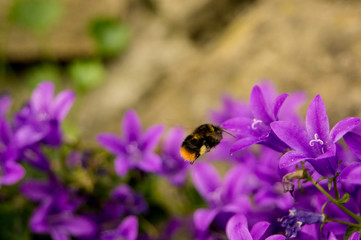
{"x":274,"y":177}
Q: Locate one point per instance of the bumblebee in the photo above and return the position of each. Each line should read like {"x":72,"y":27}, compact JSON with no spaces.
{"x":202,"y":139}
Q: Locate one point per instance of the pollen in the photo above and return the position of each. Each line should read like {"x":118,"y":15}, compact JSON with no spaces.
{"x":187,"y":155}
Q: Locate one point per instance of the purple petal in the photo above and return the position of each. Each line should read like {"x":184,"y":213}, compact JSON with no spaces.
{"x":27,"y":135}
{"x":293,"y":135}
{"x":353,"y":141}
{"x":317,"y":119}
{"x":131,"y":126}
{"x":355,"y":236}
{"x":343,"y":127}
{"x":38,"y":223}
{"x":237,"y":228}
{"x":269,"y":90}
{"x":35,"y":190}
{"x":205,"y":178}
{"x":326,"y":166}
{"x":291,"y":158}
{"x":259,"y":229}
{"x":244,"y":143}
{"x":240,"y":126}
{"x":59,"y":234}
{"x":278,"y":104}
{"x":259,"y":106}
{"x":151,"y":137}
{"x":351,"y":174}
{"x":173,"y":140}
{"x":62,"y":104}
{"x":290,"y":107}
{"x":79,"y":226}
{"x":128,"y":229}
{"x":111,"y":142}
{"x":13,"y":173}
{"x":276,"y":237}
{"x":332,"y":236}
{"x":151,"y":162}
{"x":203,"y":218}
{"x":121,"y":165}
{"x":42,"y":96}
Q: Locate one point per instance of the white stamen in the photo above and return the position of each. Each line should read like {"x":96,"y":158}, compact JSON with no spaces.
{"x":313,"y":141}
{"x":255,"y":121}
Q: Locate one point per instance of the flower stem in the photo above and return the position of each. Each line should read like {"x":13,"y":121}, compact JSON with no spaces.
{"x":347,"y":211}
{"x":343,"y":222}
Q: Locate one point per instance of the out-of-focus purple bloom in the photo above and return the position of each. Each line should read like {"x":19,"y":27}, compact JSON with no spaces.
{"x":237,"y":229}
{"x":256,"y":129}
{"x":43,"y":115}
{"x":135,"y":149}
{"x":353,"y":140}
{"x":56,"y":213}
{"x":174,"y":168}
{"x":128,"y":229}
{"x":224,"y":198}
{"x":298,"y":218}
{"x":316,"y":144}
{"x":123,"y":201}
{"x":231,"y":108}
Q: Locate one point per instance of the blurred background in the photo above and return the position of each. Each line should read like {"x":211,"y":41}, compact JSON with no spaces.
{"x":172,"y":61}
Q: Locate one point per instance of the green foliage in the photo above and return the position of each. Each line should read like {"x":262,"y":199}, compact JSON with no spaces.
{"x":110,"y":35}
{"x":43,"y":72}
{"x":86,"y":74}
{"x":37,"y":16}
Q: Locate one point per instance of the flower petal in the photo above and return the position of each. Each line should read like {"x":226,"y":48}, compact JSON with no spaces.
{"x":78,"y":226}
{"x":121,"y":165}
{"x":343,"y":127}
{"x":42,"y":97}
{"x":173,"y":141}
{"x":278,"y":104}
{"x":5,"y":103}
{"x":353,"y":142}
{"x":203,"y":218}
{"x":259,"y":106}
{"x":293,"y":135}
{"x":13,"y":172}
{"x":112,"y":142}
{"x":317,"y":119}
{"x":237,"y":228}
{"x":205,"y":178}
{"x":38,"y":223}
{"x":291,"y":158}
{"x":151,"y":137}
{"x":62,"y":104}
{"x":128,"y":229}
{"x":351,"y":174}
{"x":244,"y":143}
{"x":131,"y":126}
{"x":355,"y":236}
{"x":240,"y":127}
{"x":59,"y":234}
{"x":35,"y":190}
{"x":276,"y":237}
{"x":259,"y":229}
{"x":151,"y":162}
{"x":27,"y":135}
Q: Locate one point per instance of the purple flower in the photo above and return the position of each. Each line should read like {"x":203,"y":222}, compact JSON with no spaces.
{"x":43,"y":115}
{"x":174,"y":168}
{"x":224,"y":198}
{"x":135,"y":149}
{"x":56,"y":213}
{"x":237,"y":229}
{"x":123,"y":201}
{"x":298,"y":218}
{"x":264,"y":107}
{"x":353,"y":140}
{"x":316,"y":144}
{"x":128,"y":229}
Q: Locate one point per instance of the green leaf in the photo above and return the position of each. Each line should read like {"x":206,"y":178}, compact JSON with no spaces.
{"x":345,"y":198}
{"x":110,"y":35}
{"x":36,"y":15}
{"x":86,"y":74}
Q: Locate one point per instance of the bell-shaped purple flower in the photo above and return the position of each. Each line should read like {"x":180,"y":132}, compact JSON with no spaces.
{"x":134,"y":149}
{"x":128,"y":229}
{"x":55,"y":214}
{"x":265,"y":107}
{"x":174,"y":168}
{"x":237,"y":229}
{"x":43,"y":115}
{"x":316,"y":143}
